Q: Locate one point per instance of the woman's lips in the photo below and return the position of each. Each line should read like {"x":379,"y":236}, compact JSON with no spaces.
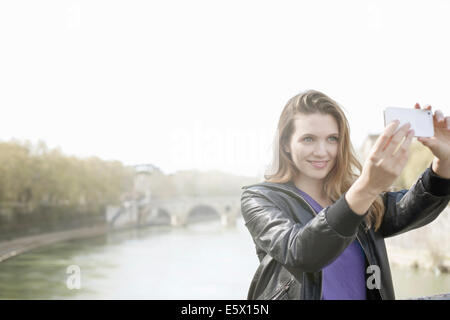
{"x":318,"y":164}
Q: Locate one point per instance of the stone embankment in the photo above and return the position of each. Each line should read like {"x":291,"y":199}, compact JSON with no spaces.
{"x":9,"y":249}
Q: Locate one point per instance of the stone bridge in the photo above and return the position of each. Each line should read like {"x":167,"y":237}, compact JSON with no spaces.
{"x":175,"y":212}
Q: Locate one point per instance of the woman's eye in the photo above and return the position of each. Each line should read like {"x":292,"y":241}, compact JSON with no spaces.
{"x":310,"y":139}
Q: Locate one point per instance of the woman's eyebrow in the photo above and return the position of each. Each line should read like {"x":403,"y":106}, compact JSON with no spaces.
{"x":313,"y":135}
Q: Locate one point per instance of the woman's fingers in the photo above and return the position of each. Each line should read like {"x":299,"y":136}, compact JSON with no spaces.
{"x":417,"y":106}
{"x":384,"y":138}
{"x":399,"y":159}
{"x":396,"y":139}
{"x":403,"y":151}
{"x":439,"y":116}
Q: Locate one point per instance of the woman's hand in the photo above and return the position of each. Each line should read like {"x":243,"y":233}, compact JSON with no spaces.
{"x":439,"y":144}
{"x":381,"y":167}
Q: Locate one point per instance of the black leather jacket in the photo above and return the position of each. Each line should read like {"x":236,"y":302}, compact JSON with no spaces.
{"x":293,"y":243}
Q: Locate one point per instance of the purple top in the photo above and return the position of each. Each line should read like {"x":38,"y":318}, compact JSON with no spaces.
{"x":344,"y":278}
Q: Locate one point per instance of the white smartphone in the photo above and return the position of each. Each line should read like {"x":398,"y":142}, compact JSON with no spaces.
{"x":421,"y":120}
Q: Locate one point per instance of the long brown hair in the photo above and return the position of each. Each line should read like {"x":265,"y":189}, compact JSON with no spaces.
{"x":343,"y":174}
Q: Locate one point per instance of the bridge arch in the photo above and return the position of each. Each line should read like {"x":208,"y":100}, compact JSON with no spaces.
{"x":202,"y":212}
{"x":162,"y":217}
{"x":178,"y":211}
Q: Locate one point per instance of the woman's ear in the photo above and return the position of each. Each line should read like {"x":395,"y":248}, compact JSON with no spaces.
{"x":286,"y":149}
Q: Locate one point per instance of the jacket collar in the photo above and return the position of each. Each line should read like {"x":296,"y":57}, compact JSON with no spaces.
{"x":287,"y":187}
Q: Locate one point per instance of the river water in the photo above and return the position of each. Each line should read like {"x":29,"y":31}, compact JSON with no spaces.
{"x":201,"y":261}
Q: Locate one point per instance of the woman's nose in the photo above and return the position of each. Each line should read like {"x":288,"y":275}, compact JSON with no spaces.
{"x":320,"y":149}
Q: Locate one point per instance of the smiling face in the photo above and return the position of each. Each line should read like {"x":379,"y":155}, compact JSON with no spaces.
{"x":314,"y":145}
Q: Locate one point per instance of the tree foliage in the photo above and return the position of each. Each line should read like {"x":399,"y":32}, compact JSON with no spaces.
{"x":34,"y":174}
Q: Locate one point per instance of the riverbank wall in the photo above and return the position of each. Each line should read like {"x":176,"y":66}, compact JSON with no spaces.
{"x":23,"y":228}
{"x":18,"y":220}
{"x":12,"y":248}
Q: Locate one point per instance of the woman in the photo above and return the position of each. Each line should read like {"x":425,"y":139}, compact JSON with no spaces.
{"x":319,"y":227}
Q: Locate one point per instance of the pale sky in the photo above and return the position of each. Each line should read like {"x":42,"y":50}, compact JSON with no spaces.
{"x":201,"y":84}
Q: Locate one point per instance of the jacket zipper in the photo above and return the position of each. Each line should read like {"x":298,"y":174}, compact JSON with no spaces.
{"x":283,"y":289}
{"x":315,"y":214}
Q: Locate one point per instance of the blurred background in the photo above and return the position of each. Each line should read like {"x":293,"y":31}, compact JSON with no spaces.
{"x":129,"y":129}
